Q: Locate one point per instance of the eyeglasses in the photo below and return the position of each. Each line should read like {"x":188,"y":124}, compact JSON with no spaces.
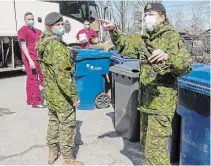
{"x":30,"y":19}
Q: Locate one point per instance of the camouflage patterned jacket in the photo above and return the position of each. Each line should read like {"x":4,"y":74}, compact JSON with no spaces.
{"x":57,"y":66}
{"x":158,"y":81}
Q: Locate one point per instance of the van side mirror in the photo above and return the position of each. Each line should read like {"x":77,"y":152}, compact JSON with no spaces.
{"x":39,"y":19}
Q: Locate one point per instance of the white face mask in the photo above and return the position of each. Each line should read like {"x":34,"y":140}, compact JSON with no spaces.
{"x":150,"y":22}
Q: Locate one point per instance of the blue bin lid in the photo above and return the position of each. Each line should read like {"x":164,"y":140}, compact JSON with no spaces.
{"x":92,"y":48}
{"x":197,"y":66}
{"x":198,"y":80}
{"x":92,"y":54}
{"x":121,"y":58}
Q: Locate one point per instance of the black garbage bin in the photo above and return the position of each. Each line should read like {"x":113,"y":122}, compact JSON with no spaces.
{"x":127,"y":117}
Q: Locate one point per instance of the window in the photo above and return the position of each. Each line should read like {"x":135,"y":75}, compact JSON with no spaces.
{"x":72,"y":9}
{"x":78,"y":10}
{"x":93,"y":12}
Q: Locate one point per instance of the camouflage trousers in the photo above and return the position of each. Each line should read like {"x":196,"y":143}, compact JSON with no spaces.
{"x":155,"y":130}
{"x":61,"y":132}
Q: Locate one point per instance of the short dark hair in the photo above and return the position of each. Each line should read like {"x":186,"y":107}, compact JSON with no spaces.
{"x":85,"y":20}
{"x":166,"y":21}
{"x":27,"y":14}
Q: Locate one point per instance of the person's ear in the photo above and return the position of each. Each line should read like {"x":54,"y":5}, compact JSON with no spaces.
{"x":48,"y":27}
{"x":162,"y":18}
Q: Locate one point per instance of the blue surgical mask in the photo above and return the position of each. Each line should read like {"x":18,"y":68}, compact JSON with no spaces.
{"x":60,"y":31}
{"x":87,"y":26}
{"x":31,"y":23}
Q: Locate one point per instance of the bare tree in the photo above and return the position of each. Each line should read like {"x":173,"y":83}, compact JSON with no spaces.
{"x":197,"y":23}
{"x":178,"y":19}
{"x":102,"y":5}
{"x":122,"y":14}
{"x":200,"y":15}
{"x":200,"y":35}
{"x":201,"y":47}
{"x":144,"y":2}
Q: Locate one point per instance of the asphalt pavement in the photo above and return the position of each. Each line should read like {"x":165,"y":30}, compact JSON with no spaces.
{"x":23,"y":133}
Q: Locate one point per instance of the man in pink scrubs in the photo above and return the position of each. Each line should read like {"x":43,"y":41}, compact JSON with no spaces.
{"x":87,"y":36}
{"x":27,"y":37}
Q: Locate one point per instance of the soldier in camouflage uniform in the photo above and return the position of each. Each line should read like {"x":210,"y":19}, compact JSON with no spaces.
{"x":60,"y":90}
{"x":163,"y":57}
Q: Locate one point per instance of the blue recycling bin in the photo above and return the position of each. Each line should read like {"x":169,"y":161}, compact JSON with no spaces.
{"x":91,"y":67}
{"x":116,"y":58}
{"x":194,"y":108}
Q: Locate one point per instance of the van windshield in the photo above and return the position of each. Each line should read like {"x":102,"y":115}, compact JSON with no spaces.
{"x":78,"y":10}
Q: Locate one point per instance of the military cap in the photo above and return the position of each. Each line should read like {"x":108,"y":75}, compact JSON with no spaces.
{"x":154,"y":7}
{"x":53,"y":18}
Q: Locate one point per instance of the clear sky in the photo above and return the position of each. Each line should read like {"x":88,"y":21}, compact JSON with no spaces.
{"x":186,"y":7}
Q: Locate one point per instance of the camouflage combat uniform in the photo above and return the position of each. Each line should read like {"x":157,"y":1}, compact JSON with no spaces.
{"x":60,"y":92}
{"x":158,"y":91}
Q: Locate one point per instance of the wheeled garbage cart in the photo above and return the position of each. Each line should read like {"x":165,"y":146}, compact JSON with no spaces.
{"x":127,"y":117}
{"x":194,"y":108}
{"x":91,"y":67}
